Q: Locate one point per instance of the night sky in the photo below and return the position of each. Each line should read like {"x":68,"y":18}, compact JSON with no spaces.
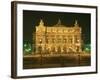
{"x":32,"y":19}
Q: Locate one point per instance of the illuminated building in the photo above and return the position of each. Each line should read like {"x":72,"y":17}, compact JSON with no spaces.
{"x":58,"y":38}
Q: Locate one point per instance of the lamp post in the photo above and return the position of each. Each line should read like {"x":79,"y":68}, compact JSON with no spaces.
{"x":40,"y":51}
{"x":79,"y":59}
{"x":78,"y":50}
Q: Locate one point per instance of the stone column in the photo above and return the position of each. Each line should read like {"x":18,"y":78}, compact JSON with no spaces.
{"x":73,"y":40}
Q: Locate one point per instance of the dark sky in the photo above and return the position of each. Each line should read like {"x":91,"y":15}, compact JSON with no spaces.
{"x":32,"y":18}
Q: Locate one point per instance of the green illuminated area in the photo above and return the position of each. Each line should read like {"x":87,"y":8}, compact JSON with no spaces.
{"x":27,"y":48}
{"x":87,"y":48}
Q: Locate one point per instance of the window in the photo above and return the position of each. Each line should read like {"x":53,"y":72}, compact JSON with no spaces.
{"x":70,"y":39}
{"x":53,"y":40}
{"x":59,"y":40}
{"x":77,"y":39}
{"x":53,"y":49}
{"x":65,"y":40}
{"x":46,"y":40}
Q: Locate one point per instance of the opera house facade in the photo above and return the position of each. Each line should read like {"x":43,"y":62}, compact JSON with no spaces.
{"x":58,"y":38}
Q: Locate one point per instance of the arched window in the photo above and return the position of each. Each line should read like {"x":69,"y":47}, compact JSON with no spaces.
{"x":59,"y":40}
{"x":70,"y":40}
{"x":64,"y":49}
{"x":76,"y":39}
{"x":53,"y":49}
{"x":40,"y":49}
{"x":65,"y":40}
{"x":59,"y":49}
{"x":77,"y":48}
{"x":53,"y":40}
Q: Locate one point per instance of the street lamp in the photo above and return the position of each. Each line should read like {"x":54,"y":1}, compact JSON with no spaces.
{"x":40,"y":41}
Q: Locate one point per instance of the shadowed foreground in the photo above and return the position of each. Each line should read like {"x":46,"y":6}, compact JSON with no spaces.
{"x":57,"y":60}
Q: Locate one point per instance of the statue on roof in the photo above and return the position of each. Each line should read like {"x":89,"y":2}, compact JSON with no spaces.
{"x":76,"y":23}
{"x":41,"y":22}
